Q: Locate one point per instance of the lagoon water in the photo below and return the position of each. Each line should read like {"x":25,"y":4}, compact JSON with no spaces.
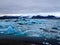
{"x":42,"y":28}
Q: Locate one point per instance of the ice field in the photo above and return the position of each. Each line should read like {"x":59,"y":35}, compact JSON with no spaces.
{"x":42,"y":28}
{"x":30,"y":27}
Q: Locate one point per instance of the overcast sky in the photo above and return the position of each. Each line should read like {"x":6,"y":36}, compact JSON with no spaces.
{"x":29,"y":6}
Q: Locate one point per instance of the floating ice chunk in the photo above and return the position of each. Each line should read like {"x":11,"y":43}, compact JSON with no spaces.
{"x":33,"y":35}
{"x":46,"y":43}
{"x":11,"y":30}
{"x":2,"y":32}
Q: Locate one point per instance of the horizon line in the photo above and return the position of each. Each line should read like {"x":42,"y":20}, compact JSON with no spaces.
{"x":33,"y":14}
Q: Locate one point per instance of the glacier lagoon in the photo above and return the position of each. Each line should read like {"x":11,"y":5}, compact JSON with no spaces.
{"x":40,"y":28}
{"x":48,"y":28}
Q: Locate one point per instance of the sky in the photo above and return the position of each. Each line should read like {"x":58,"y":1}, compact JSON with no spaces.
{"x":30,"y":7}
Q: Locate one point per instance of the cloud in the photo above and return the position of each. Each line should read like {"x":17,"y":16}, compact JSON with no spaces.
{"x":29,"y":6}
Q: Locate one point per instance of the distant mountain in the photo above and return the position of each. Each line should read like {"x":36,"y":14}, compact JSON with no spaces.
{"x":9,"y":17}
{"x":33,"y":17}
{"x":45,"y":17}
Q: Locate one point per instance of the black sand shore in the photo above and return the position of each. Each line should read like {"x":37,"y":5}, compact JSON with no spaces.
{"x":17,"y":40}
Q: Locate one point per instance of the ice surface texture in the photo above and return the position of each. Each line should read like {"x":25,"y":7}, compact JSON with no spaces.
{"x":45,"y":28}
